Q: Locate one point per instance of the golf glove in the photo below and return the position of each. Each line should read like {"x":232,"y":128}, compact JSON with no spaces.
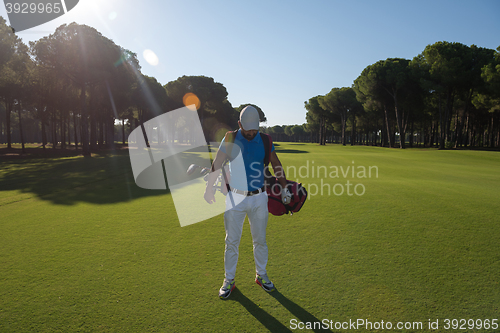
{"x":286,"y":196}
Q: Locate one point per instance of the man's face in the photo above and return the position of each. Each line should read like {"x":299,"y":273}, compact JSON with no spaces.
{"x":249,"y":135}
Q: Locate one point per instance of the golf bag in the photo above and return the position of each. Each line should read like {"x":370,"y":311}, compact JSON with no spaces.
{"x":274,"y":203}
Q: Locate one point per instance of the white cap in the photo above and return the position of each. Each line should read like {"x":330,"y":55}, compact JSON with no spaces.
{"x":249,"y":118}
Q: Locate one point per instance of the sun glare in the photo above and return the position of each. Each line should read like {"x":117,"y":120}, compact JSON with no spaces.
{"x":150,"y":57}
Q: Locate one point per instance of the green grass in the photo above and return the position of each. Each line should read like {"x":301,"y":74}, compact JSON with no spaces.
{"x":83,"y":249}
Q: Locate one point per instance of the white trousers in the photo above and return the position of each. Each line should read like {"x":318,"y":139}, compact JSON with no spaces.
{"x":255,"y":207}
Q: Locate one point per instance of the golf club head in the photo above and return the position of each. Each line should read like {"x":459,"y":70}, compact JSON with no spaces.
{"x":192,"y":169}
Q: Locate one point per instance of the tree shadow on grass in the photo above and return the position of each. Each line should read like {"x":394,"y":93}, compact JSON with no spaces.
{"x":271,"y":323}
{"x":106,"y":178}
{"x":281,"y":150}
{"x":103,"y":179}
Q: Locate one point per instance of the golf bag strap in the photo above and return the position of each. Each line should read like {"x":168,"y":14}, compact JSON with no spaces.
{"x":226,"y":181}
{"x":268,"y":144}
{"x":224,"y":173}
{"x":229,"y":138}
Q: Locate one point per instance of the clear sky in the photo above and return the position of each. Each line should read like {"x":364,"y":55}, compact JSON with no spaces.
{"x":278,"y":54}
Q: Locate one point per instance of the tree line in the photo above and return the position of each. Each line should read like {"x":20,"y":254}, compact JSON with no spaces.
{"x":78,"y":88}
{"x":447,"y":96}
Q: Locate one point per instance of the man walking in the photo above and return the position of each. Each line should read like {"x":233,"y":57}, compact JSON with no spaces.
{"x":247,"y":196}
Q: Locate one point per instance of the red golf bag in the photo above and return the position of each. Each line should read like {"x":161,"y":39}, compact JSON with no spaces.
{"x":274,"y":203}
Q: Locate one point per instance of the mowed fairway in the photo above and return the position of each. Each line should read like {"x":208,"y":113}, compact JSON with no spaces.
{"x":83,"y":249}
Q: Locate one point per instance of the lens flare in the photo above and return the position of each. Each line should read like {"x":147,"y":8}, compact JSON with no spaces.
{"x":124,"y":57}
{"x":221,"y":132}
{"x":190,"y":99}
{"x":150,"y":57}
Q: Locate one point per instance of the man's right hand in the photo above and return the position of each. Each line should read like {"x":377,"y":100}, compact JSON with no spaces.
{"x":209,"y":195}
{"x":286,"y":196}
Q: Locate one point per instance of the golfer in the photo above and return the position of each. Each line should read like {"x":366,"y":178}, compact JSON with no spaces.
{"x":247,"y":196}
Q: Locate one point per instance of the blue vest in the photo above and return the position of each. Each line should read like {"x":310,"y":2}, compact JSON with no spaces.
{"x":246,"y":164}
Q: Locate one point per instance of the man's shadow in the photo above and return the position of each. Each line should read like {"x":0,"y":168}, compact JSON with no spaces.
{"x":271,"y":323}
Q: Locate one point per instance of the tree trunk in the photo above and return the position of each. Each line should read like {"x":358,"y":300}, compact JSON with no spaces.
{"x":490,"y":131}
{"x":474,"y":132}
{"x":2,"y":140}
{"x":399,"y":121}
{"x":110,"y":133}
{"x":383,"y":134}
{"x":8,"y":110}
{"x":321,"y":131}
{"x":470,"y":125}
{"x":449,"y":115}
{"x":101,"y":126}
{"x":441,"y":126}
{"x":389,"y":137}
{"x":484,"y":137}
{"x":54,"y":132}
{"x":324,"y":133}
{"x":342,"y":138}
{"x":62,"y":130}
{"x":75,"y":127}
{"x":431,"y":135}
{"x":343,"y":127}
{"x":498,"y":138}
{"x":455,"y":134}
{"x":44,"y":132}
{"x":19,"y":107}
{"x":93,"y":131}
{"x":123,"y":131}
{"x":353,"y":130}
{"x":459,"y":142}
{"x":466,"y":132}
{"x":67,"y":125}
{"x":84,"y":123}
{"x":411,"y":133}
